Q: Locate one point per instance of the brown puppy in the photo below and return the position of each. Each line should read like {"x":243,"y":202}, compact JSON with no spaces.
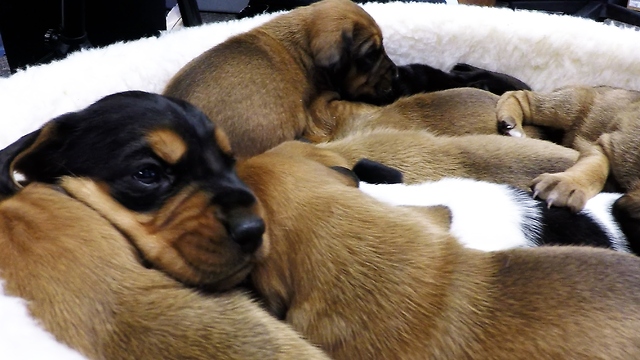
{"x":84,"y":282}
{"x":451,"y":112}
{"x":367,"y":281}
{"x":600,"y":122}
{"x":421,"y":156}
{"x":258,"y":86}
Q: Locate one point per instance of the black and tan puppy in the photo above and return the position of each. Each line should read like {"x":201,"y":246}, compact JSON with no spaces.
{"x":258,"y":85}
{"x":166,"y":165}
{"x":368,"y":281}
{"x":136,"y":174}
{"x":600,"y":122}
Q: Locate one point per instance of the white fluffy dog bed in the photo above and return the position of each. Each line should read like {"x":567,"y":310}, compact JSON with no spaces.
{"x":546,"y":51}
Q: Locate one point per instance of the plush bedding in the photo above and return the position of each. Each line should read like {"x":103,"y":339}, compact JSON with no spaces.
{"x":546,"y":51}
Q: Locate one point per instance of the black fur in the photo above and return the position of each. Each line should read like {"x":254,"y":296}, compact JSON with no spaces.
{"x":561,"y":226}
{"x":419,"y":78}
{"x":626,"y":212}
{"x":106,"y":142}
{"x":374,"y":172}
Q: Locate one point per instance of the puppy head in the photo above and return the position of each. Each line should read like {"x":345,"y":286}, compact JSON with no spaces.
{"x":347,"y":48}
{"x":161,"y":172}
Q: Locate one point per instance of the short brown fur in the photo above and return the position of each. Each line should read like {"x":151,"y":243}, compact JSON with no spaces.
{"x":453,"y":112}
{"x":421,"y":156}
{"x":85,"y":284}
{"x":600,"y":122}
{"x":258,"y":86}
{"x":368,"y":281}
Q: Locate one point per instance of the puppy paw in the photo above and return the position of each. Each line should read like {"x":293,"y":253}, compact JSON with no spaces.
{"x":560,"y":190}
{"x":507,"y":125}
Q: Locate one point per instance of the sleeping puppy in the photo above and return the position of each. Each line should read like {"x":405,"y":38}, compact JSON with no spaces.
{"x":136,"y":174}
{"x":600,"y":122}
{"x":168,"y":169}
{"x":451,"y":112}
{"x":417,"y":78}
{"x":490,"y":216}
{"x":421,"y":156}
{"x":366,"y":280}
{"x":84,"y":282}
{"x":258,"y":86}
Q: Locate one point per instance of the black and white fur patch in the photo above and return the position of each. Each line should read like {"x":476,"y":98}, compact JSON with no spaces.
{"x":488,"y":216}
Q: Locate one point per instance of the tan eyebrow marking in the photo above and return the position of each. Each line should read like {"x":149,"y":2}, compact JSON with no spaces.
{"x":168,"y":145}
{"x":223,"y":141}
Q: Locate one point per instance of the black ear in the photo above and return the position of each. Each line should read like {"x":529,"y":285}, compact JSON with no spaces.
{"x":350,"y":175}
{"x":8,"y":184}
{"x":495,"y":82}
{"x":374,"y":172}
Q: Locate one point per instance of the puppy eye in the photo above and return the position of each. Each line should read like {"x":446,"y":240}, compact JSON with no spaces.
{"x":148,"y":175}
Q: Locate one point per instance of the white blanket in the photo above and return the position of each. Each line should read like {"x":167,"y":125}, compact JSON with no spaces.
{"x":545,"y":51}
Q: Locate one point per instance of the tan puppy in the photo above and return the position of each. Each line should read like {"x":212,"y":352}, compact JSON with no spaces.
{"x":421,"y":156}
{"x":85,"y":283}
{"x":258,"y":86}
{"x":452,"y":112}
{"x":600,"y":122}
{"x":367,"y":281}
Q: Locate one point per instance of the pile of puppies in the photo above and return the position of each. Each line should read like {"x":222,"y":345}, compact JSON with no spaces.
{"x":142,"y":226}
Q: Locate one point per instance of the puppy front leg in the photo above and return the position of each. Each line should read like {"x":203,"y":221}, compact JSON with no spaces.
{"x":582,"y":181}
{"x":560,"y":109}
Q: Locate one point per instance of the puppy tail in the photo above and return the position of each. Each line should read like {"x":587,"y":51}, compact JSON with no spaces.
{"x":8,"y":183}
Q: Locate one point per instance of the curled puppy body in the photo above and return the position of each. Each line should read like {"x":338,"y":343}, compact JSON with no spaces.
{"x":490,"y":216}
{"x":84,"y":282}
{"x":421,"y":156}
{"x":258,"y":86}
{"x":140,"y":178}
{"x":452,"y":112}
{"x":600,"y":122}
{"x":366,"y":280}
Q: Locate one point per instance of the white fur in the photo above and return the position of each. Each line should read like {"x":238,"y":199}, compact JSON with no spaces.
{"x":22,"y":338}
{"x":598,"y":208}
{"x":488,"y":216}
{"x":484,"y":215}
{"x":546,"y":51}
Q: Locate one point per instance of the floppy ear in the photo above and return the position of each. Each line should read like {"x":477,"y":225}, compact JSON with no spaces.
{"x":373,"y":172}
{"x":331,"y":47}
{"x":8,"y":155}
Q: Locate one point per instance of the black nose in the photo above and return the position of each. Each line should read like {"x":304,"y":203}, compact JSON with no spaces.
{"x":247,"y":232}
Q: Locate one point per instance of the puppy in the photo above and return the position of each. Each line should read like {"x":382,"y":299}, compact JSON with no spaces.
{"x":258,"y":86}
{"x":136,"y":178}
{"x":421,"y":156}
{"x":600,"y":122}
{"x":365,"y":280}
{"x":84,"y":282}
{"x":490,"y":216}
{"x":165,"y":166}
{"x":417,"y":78}
{"x":451,"y":112}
